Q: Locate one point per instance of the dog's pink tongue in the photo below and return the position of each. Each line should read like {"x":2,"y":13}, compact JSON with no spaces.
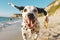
{"x":31,"y":24}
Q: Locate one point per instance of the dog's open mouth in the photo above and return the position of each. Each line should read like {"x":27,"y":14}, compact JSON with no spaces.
{"x":30,"y":22}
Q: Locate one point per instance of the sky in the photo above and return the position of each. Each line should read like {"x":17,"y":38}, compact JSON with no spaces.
{"x":7,"y":11}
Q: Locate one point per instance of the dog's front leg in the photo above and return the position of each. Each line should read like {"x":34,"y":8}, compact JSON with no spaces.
{"x":36,"y":35}
{"x":24,"y":34}
{"x":29,"y":32}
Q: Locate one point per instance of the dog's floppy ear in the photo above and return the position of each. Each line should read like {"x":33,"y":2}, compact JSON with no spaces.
{"x":41,"y":10}
{"x":20,"y":8}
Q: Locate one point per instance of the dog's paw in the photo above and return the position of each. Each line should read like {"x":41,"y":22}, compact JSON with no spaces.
{"x":11,"y":4}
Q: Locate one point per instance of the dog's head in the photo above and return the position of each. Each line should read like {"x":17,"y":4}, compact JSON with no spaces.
{"x":30,"y":13}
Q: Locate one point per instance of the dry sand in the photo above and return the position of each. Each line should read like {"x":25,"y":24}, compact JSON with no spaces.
{"x":53,"y":30}
{"x":51,"y":33}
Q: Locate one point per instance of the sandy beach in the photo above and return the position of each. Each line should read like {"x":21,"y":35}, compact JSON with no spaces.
{"x":51,"y":33}
{"x":11,"y":33}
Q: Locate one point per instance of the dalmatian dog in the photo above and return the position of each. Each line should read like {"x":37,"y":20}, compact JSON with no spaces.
{"x":30,"y":23}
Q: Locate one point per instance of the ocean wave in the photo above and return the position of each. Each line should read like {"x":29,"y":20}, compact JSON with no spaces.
{"x":9,"y":23}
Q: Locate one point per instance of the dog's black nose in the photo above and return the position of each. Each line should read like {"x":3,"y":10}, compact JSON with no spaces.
{"x":31,"y":16}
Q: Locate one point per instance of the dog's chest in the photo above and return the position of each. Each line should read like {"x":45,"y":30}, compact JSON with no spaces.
{"x":32,"y":30}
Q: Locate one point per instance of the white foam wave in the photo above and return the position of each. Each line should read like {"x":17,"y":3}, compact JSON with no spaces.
{"x":10,"y":23}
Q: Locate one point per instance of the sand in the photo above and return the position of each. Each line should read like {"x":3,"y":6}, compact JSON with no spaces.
{"x":11,"y":33}
{"x":53,"y":30}
{"x":51,"y":33}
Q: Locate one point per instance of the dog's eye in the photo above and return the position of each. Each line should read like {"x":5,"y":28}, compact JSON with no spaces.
{"x":25,"y":10}
{"x":35,"y":10}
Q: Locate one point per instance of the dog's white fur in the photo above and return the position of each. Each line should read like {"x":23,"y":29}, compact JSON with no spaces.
{"x":26,"y":30}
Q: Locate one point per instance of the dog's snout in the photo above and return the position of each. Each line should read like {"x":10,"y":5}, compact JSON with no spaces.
{"x":31,"y":16}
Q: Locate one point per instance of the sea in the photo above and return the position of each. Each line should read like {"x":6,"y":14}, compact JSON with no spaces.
{"x":8,"y":21}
